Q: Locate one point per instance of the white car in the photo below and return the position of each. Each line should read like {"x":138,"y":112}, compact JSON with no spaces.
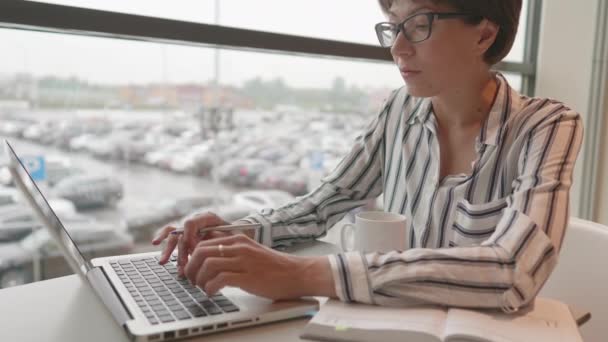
{"x":18,"y":220}
{"x":260,"y":199}
{"x":88,"y":191}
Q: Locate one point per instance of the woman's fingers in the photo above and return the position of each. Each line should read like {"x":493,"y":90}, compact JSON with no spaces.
{"x":166,"y":254}
{"x":193,"y":224}
{"x":201,"y":254}
{"x":213,"y":266}
{"x":163,"y":234}
{"x":182,"y":255}
{"x":222,"y":280}
{"x":226,"y":240}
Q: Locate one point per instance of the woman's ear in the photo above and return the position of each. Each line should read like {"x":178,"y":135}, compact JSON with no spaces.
{"x":488,"y":31}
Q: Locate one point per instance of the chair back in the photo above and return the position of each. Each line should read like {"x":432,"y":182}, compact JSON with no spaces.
{"x":581,"y":276}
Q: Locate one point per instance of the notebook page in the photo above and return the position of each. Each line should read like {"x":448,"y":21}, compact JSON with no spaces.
{"x":546,"y":320}
{"x":343,"y":316}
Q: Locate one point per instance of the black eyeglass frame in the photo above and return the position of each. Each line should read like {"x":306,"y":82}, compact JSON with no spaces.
{"x":431,"y":17}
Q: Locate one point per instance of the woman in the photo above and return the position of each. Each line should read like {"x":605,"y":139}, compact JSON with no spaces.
{"x":482,"y":172}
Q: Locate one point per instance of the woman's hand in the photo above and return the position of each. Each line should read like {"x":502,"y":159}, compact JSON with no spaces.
{"x":239,"y":261}
{"x":190,"y":238}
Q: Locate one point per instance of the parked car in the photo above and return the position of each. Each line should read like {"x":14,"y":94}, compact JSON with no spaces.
{"x":192,"y":162}
{"x":18,"y":220}
{"x":260,"y":199}
{"x":38,"y":251}
{"x":228,"y":211}
{"x":37,"y":130}
{"x":9,"y":196}
{"x":57,"y":168}
{"x":240,"y":172}
{"x":162,"y":156}
{"x":89,"y":191}
{"x":284,"y":177}
{"x":142,"y":222}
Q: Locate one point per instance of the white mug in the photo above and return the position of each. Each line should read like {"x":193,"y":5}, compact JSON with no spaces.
{"x":375,"y":231}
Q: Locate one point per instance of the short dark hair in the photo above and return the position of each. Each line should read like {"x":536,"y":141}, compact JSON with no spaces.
{"x":504,"y":13}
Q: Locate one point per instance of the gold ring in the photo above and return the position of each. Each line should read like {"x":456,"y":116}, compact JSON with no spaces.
{"x":220,"y":249}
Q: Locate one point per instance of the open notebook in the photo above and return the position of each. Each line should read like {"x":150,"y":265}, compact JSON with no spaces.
{"x":545,"y":320}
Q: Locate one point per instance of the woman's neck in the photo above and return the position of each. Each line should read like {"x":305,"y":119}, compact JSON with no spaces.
{"x":466,"y":104}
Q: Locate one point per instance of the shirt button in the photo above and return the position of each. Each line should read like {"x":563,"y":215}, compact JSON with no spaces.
{"x":266,"y":211}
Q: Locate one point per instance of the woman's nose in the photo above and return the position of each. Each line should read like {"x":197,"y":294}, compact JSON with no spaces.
{"x":402,"y":46}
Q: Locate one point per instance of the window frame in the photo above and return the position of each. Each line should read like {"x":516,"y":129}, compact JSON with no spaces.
{"x":44,"y":17}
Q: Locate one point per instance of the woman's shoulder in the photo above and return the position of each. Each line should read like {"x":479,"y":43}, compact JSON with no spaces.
{"x":532,"y":113}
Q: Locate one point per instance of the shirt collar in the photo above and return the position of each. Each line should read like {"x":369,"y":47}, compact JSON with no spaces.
{"x":493,"y":127}
{"x":421,"y":111}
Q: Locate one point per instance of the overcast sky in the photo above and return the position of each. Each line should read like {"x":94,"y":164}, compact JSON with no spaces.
{"x":116,"y":61}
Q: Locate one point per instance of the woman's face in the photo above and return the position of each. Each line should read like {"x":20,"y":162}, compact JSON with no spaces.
{"x":445,"y":59}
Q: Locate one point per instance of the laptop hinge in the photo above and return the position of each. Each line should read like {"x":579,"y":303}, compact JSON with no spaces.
{"x":104,"y":289}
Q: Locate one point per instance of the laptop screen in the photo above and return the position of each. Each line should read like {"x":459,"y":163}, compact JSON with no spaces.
{"x":34,"y":196}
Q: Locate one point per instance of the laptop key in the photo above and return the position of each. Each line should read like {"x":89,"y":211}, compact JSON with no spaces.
{"x":206,"y":302}
{"x":181,"y":314}
{"x":179,"y":292}
{"x":166,"y":318}
{"x":199,"y":296}
{"x":171,"y":302}
{"x":175,"y":307}
{"x":231,"y":308}
{"x":197,"y":312}
{"x":154,"y":302}
{"x":222,"y":303}
{"x":213,"y":310}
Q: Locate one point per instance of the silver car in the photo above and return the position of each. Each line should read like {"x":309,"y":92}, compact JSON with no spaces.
{"x":87,"y":191}
{"x":37,"y":257}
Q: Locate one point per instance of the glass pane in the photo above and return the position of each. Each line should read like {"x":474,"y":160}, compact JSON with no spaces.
{"x":514,"y":80}
{"x":344,"y":20}
{"x":517,"y":51}
{"x":148,"y":138}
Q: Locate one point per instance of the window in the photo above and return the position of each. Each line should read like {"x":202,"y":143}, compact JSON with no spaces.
{"x":169,"y":121}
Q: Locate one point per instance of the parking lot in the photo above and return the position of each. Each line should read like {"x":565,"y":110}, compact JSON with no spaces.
{"x":136,"y":175}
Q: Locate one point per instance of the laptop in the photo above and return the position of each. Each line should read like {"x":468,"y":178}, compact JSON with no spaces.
{"x":147,"y":299}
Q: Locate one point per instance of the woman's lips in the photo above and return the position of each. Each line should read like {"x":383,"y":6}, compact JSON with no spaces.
{"x":409,"y":73}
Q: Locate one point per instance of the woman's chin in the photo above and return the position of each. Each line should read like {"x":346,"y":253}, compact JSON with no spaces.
{"x":417,"y":91}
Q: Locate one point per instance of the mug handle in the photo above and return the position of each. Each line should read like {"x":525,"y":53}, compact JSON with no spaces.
{"x":345,"y":228}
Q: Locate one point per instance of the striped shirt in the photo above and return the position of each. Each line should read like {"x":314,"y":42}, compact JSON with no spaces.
{"x":486,"y":239}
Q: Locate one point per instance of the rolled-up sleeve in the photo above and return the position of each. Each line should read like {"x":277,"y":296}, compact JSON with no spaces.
{"x":355,"y":180}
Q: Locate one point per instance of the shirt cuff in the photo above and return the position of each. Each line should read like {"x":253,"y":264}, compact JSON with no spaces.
{"x":351,"y":278}
{"x":265,"y":237}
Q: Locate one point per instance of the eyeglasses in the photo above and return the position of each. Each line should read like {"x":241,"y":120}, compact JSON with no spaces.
{"x":415,"y":28}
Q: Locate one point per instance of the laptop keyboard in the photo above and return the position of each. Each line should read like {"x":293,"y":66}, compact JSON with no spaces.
{"x":163,"y":296}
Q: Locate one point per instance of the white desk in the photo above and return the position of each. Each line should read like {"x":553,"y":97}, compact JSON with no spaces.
{"x":66,"y":310}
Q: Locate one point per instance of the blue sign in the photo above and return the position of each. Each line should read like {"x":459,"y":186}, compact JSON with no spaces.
{"x":36,"y":167}
{"x":316,"y":160}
